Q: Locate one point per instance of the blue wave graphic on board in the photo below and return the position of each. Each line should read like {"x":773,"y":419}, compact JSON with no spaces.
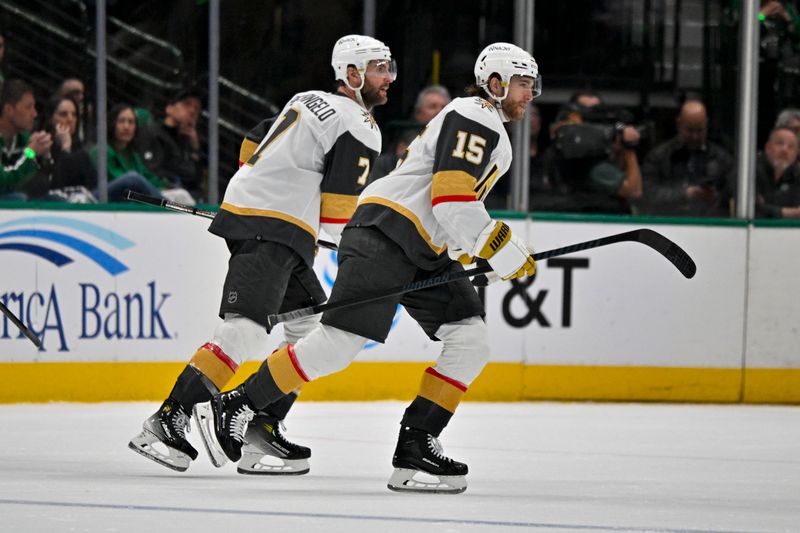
{"x":106,"y":235}
{"x":81,"y":246}
{"x":47,"y":254}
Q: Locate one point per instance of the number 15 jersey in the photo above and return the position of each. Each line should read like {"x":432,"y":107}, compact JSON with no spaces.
{"x":434,"y":198}
{"x":305,"y":173}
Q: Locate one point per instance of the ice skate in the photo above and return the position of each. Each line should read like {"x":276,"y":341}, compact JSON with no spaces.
{"x":222,"y":422}
{"x":421,"y":466}
{"x":267,"y":452}
{"x":163,"y":438}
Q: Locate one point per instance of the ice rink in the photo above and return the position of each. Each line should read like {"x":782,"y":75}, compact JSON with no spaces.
{"x":563,"y":467}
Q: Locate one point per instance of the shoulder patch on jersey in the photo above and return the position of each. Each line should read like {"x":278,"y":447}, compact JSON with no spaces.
{"x":485,"y":104}
{"x":369,"y":119}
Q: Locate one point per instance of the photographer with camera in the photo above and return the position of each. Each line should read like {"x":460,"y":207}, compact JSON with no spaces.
{"x":687,"y":175}
{"x":594,"y":158}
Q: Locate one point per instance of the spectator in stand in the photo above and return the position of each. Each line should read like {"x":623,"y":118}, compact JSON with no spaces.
{"x":778,"y":176}
{"x":74,"y":175}
{"x":430,"y":101}
{"x":126,"y":168}
{"x":688,"y":175}
{"x":22,"y":153}
{"x":74,"y":88}
{"x":171,"y":148}
{"x":71,"y":176}
{"x":591,"y":161}
{"x":789,"y":118}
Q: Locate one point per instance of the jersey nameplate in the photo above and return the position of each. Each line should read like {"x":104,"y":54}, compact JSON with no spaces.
{"x":317,"y":105}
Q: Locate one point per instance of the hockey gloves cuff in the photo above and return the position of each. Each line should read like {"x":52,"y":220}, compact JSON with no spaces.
{"x":508,"y":256}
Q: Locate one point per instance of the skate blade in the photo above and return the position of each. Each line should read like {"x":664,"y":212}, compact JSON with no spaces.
{"x":403,"y":480}
{"x":174,"y":460}
{"x":253,"y":464}
{"x":204,"y":416}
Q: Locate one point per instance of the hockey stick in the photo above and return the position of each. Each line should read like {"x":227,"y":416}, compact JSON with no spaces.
{"x":183,"y":208}
{"x":671,"y":251}
{"x":168,"y":204}
{"x":22,"y":327}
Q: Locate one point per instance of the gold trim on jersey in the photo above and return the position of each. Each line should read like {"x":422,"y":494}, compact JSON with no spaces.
{"x":410,"y":216}
{"x":266,"y":213}
{"x":246,"y":150}
{"x":337,"y":207}
{"x":453,"y":183}
{"x":483,"y":187}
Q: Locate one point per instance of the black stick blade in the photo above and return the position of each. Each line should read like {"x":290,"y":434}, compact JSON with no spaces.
{"x":674,"y":253}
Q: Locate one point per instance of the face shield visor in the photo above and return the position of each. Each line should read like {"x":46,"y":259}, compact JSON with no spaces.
{"x":382,"y":68}
{"x":537,"y":86}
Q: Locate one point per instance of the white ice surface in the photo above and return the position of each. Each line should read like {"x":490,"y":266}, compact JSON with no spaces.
{"x":571,"y":467}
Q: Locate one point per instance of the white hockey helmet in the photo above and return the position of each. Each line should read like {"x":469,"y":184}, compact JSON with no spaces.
{"x":506,"y":60}
{"x":359,"y":50}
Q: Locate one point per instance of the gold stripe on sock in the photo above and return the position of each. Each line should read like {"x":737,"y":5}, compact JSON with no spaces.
{"x":209,"y":364}
{"x":440,"y":392}
{"x":284,"y":372}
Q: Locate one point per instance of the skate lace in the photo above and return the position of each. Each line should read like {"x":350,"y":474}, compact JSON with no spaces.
{"x":239,"y":422}
{"x":180,"y":424}
{"x":436,"y":449}
{"x":277,"y":432}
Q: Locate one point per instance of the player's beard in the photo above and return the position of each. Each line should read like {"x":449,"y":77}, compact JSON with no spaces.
{"x":371,"y":94}
{"x":513,"y":110}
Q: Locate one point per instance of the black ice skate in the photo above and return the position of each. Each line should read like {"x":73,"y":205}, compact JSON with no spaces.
{"x":163,"y":438}
{"x":266,"y":451}
{"x":418,"y":456}
{"x":222,"y":422}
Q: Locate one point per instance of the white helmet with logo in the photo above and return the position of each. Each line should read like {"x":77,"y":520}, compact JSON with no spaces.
{"x":506,"y":60}
{"x":359,"y":50}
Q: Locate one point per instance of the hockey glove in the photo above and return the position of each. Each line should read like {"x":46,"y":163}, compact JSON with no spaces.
{"x":508,"y":256}
{"x":457,"y":254}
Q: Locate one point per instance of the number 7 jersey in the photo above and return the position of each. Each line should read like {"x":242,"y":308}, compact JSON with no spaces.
{"x":434,"y":198}
{"x":305,"y":173}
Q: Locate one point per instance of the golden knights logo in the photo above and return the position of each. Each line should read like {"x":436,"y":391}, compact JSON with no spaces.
{"x":369,"y":119}
{"x":485,"y":104}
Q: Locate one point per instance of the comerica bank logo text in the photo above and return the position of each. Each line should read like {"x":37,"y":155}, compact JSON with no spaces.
{"x":73,"y":292}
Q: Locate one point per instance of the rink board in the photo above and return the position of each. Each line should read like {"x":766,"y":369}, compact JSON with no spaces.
{"x":122,"y":299}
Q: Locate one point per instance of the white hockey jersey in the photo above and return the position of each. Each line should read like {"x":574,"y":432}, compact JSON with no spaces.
{"x":434,"y":198}
{"x":306,"y":172}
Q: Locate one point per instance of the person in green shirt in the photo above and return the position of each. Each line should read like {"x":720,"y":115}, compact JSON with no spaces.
{"x":21,"y":152}
{"x":125,"y":166}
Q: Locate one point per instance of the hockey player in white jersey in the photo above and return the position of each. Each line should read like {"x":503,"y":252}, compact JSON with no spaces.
{"x":304,"y":174}
{"x":412,"y":225}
